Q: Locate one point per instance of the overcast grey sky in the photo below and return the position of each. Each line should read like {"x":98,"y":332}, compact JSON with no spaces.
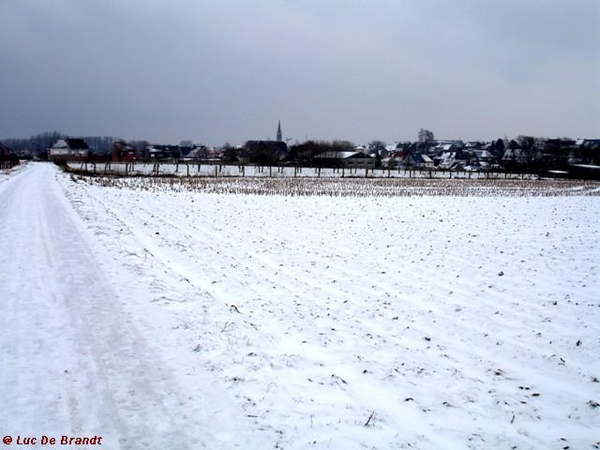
{"x":228,"y":70}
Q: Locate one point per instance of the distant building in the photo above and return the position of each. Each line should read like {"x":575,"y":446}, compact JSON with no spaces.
{"x":349,"y":159}
{"x":204,"y":153}
{"x":445,"y":147}
{"x":122,"y":152}
{"x":68,"y":149}
{"x":405,"y":158}
{"x":165,"y":153}
{"x":453,"y":158}
{"x":279,"y":135}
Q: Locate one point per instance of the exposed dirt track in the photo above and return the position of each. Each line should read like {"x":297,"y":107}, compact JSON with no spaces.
{"x":357,"y":187}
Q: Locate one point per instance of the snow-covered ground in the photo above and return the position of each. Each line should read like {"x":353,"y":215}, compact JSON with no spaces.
{"x":164,"y":318}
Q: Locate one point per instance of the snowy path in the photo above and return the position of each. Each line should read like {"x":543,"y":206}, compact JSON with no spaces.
{"x":76,"y":358}
{"x":317,"y":322}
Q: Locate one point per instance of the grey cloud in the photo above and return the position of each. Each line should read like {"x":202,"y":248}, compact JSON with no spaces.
{"x":228,"y":70}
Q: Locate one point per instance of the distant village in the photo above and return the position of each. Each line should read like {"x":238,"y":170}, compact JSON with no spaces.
{"x":526,"y":154}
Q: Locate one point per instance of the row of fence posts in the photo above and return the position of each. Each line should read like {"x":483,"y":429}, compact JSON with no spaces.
{"x":345,"y":171}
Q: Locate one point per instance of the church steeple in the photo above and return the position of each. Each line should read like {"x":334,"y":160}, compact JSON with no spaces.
{"x":279,"y":137}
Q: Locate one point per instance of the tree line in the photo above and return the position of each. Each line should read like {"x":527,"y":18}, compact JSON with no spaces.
{"x":528,"y":152}
{"x":37,"y":145}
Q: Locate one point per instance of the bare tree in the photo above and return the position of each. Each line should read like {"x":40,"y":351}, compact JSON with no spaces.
{"x":426,"y":136}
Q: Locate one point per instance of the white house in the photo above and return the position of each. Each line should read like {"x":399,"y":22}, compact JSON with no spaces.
{"x":68,"y":149}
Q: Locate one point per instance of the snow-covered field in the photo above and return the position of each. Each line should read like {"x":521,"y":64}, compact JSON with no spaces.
{"x":325,"y":322}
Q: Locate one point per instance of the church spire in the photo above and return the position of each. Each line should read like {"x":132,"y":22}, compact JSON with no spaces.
{"x":279,"y":137}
